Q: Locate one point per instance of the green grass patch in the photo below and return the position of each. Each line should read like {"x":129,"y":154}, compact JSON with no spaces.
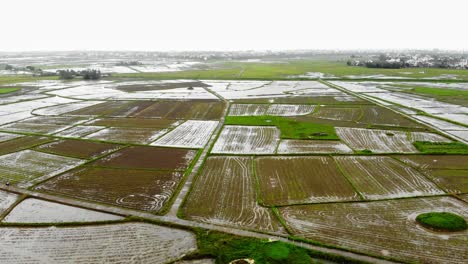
{"x":442,"y":221}
{"x":290,"y":128}
{"x":441,"y":147}
{"x":4,"y":90}
{"x":225,"y":248}
{"x":286,"y":68}
{"x":433,"y":91}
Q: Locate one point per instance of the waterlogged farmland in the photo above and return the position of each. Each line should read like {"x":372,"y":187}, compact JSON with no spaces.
{"x":346,"y":164}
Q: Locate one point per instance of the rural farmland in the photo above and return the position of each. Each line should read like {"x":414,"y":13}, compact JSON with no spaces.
{"x":208,"y":166}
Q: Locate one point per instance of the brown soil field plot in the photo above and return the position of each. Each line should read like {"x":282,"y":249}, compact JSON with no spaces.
{"x":385,"y":178}
{"x":99,"y":109}
{"x":378,"y":141}
{"x":128,"y":135}
{"x":224,"y":194}
{"x":159,"y":86}
{"x":296,"y":180}
{"x":383,"y":228}
{"x":55,"y":120}
{"x":130,"y":109}
{"x":382,"y":116}
{"x":21,"y":143}
{"x":149,"y":158}
{"x":436,"y":161}
{"x":134,"y":122}
{"x":450,"y":172}
{"x":345,"y":100}
{"x":200,"y":109}
{"x":78,"y":148}
{"x":7,"y":136}
{"x":138,"y":189}
{"x":291,"y":146}
{"x":338,"y":113}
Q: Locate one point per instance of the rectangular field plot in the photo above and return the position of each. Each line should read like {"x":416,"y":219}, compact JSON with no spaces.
{"x":21,"y":143}
{"x":128,"y":135}
{"x":40,"y":211}
{"x":33,"y":128}
{"x":64,"y":108}
{"x":7,"y":199}
{"x":6,"y":136}
{"x":134,"y":122}
{"x":26,"y":167}
{"x":79,"y":131}
{"x":450,"y":172}
{"x":381,"y":116}
{"x":430,"y":137}
{"x":99,"y":109}
{"x":270,"y":109}
{"x":206,"y":109}
{"x":247,"y":140}
{"x":137,"y":189}
{"x":338,"y":113}
{"x":295,"y":180}
{"x":117,"y":243}
{"x":149,"y":158}
{"x":78,"y":148}
{"x":383,"y":228}
{"x":224,"y":194}
{"x":191,"y":134}
{"x":378,"y":141}
{"x":290,"y":146}
{"x":384,"y":178}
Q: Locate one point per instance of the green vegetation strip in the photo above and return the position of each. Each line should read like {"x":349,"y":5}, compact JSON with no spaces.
{"x":290,"y":129}
{"x":442,"y":221}
{"x":441,"y":148}
{"x":4,"y":90}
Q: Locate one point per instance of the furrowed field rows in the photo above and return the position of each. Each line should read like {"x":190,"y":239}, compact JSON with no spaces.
{"x":27,"y":167}
{"x":122,"y":243}
{"x":290,"y":146}
{"x":128,"y":135}
{"x":295,"y":180}
{"x":449,"y":172}
{"x":78,"y":148}
{"x":247,"y":140}
{"x":379,"y":141}
{"x":431,"y":137}
{"x":6,"y":200}
{"x":224,"y":194}
{"x":191,"y":134}
{"x":383,"y":178}
{"x":382,"y":228}
{"x":39,"y":211}
{"x":267,"y":109}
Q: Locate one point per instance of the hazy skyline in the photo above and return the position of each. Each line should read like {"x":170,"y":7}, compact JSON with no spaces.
{"x":232,"y":25}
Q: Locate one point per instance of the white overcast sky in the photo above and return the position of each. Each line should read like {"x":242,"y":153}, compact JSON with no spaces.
{"x":232,"y":25}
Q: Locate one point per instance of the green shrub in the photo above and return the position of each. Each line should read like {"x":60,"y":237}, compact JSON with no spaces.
{"x":442,"y":221}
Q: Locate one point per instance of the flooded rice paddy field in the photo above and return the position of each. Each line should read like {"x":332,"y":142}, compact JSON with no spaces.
{"x":133,"y":144}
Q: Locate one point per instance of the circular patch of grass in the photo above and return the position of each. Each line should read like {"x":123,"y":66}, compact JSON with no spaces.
{"x":442,"y":221}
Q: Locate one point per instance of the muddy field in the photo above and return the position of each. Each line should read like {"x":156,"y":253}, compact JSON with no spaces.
{"x":134,"y":122}
{"x":125,"y":243}
{"x":79,"y":131}
{"x":339,"y":113}
{"x":190,"y":134}
{"x":270,"y":109}
{"x":128,"y":135}
{"x":383,"y":228}
{"x":247,"y":140}
{"x":384,"y":178}
{"x":7,"y":199}
{"x":382,"y":116}
{"x":145,"y":190}
{"x":231,"y":199}
{"x":290,"y":146}
{"x":378,"y":141}
{"x":39,"y":211}
{"x":200,"y":109}
{"x":24,"y":168}
{"x":78,"y":148}
{"x":448,"y":172}
{"x":21,"y":143}
{"x":149,"y":158}
{"x":295,"y":180}
{"x":100,"y":109}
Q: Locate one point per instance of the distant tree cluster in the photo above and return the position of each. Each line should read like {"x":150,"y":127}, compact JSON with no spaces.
{"x":409,"y":61}
{"x":89,"y":74}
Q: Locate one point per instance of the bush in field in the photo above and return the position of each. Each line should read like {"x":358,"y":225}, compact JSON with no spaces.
{"x":442,"y":221}
{"x":66,"y":74}
{"x":91,"y":74}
